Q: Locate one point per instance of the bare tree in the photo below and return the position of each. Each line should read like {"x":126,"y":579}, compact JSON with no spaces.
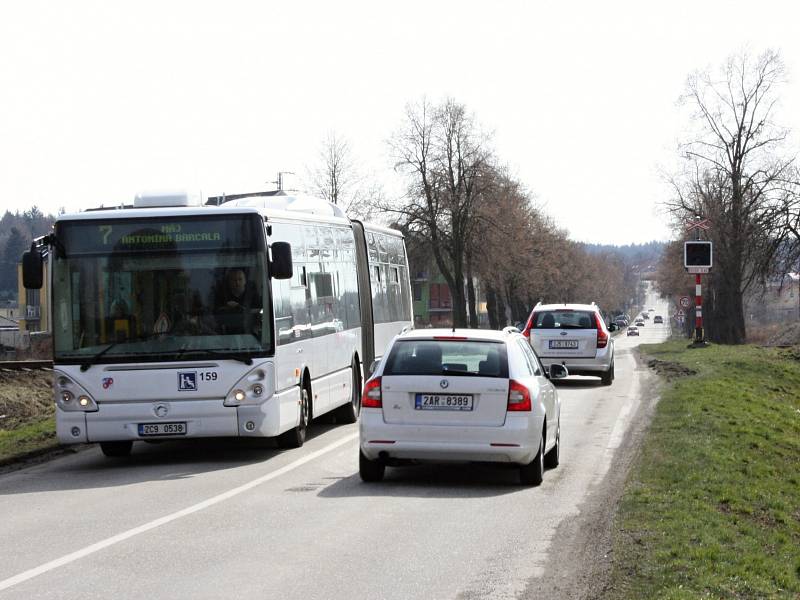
{"x":735,"y":176}
{"x":337,"y":178}
{"x":446,"y":161}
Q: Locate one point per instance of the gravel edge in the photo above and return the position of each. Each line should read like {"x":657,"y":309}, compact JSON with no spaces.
{"x":580,"y":563}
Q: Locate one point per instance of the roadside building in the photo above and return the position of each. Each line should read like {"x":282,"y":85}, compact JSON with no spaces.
{"x":777,"y":302}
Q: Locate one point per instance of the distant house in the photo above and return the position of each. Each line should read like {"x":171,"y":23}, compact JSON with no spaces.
{"x":433,"y":302}
{"x":777,"y":302}
{"x":9,"y":310}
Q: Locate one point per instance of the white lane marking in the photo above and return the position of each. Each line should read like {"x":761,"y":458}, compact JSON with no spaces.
{"x":72,"y":557}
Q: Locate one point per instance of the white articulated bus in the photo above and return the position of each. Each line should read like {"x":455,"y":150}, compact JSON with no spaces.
{"x":173,"y":319}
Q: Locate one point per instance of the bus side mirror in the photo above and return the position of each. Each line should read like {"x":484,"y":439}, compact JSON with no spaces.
{"x":281,"y":265}
{"x":32,"y":269}
{"x":374,"y":366}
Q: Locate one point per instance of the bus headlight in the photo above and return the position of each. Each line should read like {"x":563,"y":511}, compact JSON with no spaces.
{"x":66,"y":391}
{"x":253,"y":388}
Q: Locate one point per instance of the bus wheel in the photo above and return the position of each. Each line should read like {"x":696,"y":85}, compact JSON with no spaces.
{"x":295,"y":437}
{"x":349,"y":412}
{"x":114,"y":449}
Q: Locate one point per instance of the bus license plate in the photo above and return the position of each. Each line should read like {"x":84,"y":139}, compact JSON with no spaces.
{"x":559,"y":344}
{"x":443,"y":402}
{"x":148,"y":429}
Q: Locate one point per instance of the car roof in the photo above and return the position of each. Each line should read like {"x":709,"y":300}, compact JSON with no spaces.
{"x":566,"y":306}
{"x":490,"y":335}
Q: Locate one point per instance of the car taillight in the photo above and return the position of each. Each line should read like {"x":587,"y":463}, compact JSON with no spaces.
{"x":528,"y":325}
{"x":371,"y":398}
{"x":602,"y":336}
{"x":519,"y":397}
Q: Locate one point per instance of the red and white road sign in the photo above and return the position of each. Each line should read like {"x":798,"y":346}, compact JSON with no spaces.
{"x":704,"y":224}
{"x":681,"y":313}
{"x":685,"y":302}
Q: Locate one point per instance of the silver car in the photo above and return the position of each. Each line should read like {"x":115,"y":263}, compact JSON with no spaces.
{"x":573,"y":335}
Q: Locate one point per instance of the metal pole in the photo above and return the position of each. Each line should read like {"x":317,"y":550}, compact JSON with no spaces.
{"x":698,"y":323}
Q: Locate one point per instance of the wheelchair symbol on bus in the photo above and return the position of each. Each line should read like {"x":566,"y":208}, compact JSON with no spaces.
{"x":187,"y":381}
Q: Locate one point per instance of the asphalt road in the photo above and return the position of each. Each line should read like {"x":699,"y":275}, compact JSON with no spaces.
{"x":223,"y":520}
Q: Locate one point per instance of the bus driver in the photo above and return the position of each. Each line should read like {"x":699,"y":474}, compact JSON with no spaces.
{"x":236,"y":302}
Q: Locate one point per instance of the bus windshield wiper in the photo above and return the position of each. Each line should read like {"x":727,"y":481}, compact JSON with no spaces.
{"x":215,"y":354}
{"x":92,"y":359}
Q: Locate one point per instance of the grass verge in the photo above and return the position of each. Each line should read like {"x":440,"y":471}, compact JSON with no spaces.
{"x":711,"y":508}
{"x":31,"y":438}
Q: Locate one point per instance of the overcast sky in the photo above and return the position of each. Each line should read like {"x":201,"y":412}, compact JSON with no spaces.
{"x":99,"y":100}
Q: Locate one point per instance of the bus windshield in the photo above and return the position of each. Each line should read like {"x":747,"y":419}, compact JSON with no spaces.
{"x":172,"y":288}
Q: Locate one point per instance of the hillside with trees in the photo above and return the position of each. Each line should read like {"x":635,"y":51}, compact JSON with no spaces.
{"x":17,"y":229}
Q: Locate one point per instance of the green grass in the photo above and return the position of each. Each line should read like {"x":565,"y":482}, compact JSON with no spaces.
{"x":33,"y":437}
{"x":711,"y":508}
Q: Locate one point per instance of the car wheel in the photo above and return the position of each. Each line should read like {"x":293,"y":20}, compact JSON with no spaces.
{"x":350,"y":411}
{"x":533,"y":472}
{"x":296,"y":437}
{"x":370,"y":470}
{"x":551,"y":458}
{"x":115,"y":449}
{"x":608,"y":376}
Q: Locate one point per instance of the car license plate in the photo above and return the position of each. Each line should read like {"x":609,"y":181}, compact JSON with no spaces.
{"x":147,"y":429}
{"x":443,"y":402}
{"x":560,"y":344}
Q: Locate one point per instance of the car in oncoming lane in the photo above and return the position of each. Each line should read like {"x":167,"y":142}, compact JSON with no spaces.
{"x":639,"y":323}
{"x":633,"y":330}
{"x":658,"y":319}
{"x":460,"y":395}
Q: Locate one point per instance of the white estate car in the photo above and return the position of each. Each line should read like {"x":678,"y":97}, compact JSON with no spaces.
{"x":573,"y":335}
{"x":460,"y":395}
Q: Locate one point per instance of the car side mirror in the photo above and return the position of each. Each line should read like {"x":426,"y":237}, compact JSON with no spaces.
{"x":374,"y":366}
{"x":32,"y":268}
{"x":557,"y":371}
{"x":280,"y":267}
{"x":612,"y":327}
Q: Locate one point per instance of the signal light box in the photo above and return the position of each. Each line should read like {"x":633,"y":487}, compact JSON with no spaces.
{"x":697,"y":256}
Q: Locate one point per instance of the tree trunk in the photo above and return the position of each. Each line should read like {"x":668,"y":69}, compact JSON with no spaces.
{"x":459,"y":306}
{"x":502,"y":317}
{"x":491,"y":307}
{"x":727,"y":325}
{"x":471,"y":301}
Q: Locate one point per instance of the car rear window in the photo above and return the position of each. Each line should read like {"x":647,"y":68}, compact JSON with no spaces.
{"x":448,"y":357}
{"x":564,"y":319}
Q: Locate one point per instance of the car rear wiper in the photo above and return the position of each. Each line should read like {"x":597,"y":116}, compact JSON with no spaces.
{"x":459,"y":372}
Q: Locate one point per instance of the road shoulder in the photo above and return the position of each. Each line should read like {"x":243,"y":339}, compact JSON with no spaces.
{"x":579,"y":564}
